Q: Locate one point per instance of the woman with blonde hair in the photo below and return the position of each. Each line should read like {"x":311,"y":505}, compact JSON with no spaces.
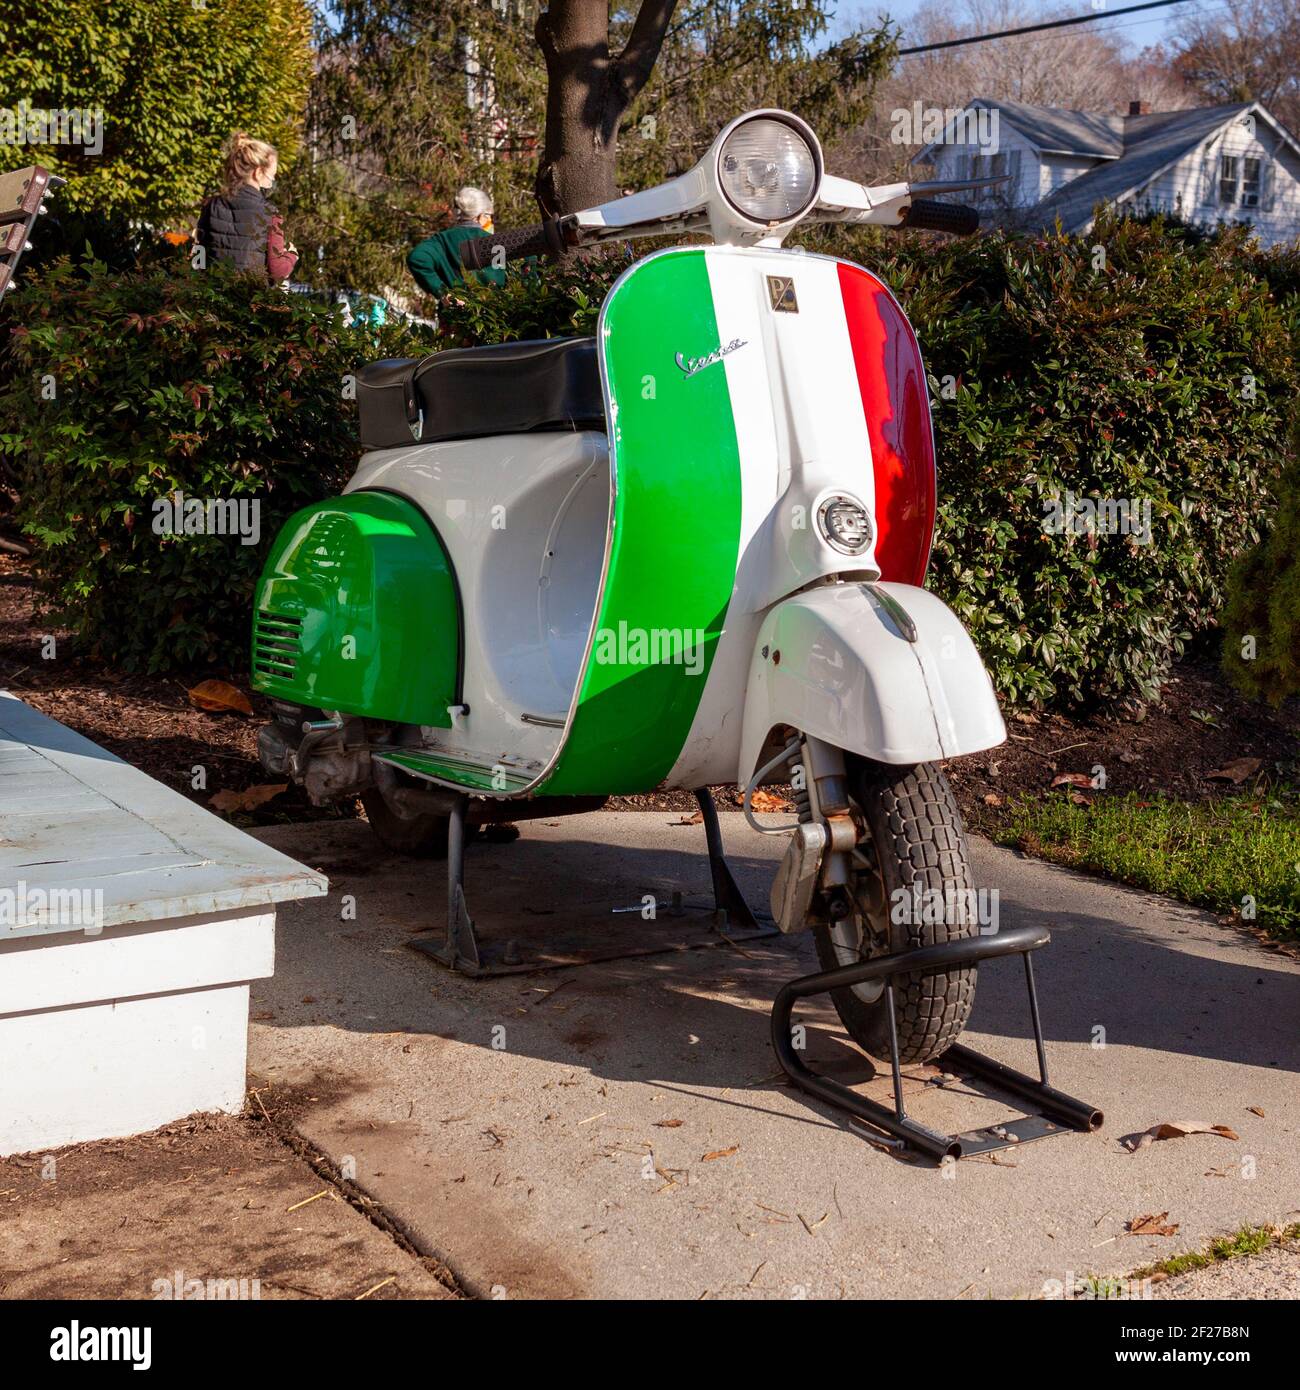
{"x":240,"y":225}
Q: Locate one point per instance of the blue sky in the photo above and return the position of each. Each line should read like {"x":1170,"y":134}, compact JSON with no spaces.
{"x":1140,"y":30}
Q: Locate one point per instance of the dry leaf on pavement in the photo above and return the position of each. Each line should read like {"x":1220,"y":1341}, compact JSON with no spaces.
{"x":720,"y":1153}
{"x":1152,"y":1224}
{"x":1177,"y":1129}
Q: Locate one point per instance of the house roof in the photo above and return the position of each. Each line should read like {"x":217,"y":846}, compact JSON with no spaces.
{"x":1151,"y":144}
{"x":1055,"y":130}
{"x":1131,"y":150}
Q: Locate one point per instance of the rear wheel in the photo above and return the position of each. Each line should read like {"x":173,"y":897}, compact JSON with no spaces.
{"x":422,"y":837}
{"x":917,"y":869}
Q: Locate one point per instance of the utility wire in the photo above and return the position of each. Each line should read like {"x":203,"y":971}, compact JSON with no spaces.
{"x":1038,"y":28}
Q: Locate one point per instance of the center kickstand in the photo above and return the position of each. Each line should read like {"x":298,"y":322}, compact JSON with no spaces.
{"x":728,"y":901}
{"x":461,"y":950}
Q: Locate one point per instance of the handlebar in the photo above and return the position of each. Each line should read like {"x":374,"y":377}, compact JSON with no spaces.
{"x":553,"y":238}
{"x":546,"y":239}
{"x":927,"y":215}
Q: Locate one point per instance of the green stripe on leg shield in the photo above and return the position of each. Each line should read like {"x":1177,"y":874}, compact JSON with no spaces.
{"x":676,"y":530}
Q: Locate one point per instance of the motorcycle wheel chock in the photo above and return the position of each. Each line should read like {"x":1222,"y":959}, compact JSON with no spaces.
{"x":1052,"y":1112}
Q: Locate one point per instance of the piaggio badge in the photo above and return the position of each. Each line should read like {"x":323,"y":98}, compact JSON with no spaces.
{"x":780,"y":290}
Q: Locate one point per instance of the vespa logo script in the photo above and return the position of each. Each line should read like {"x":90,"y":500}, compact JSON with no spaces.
{"x":691,"y":365}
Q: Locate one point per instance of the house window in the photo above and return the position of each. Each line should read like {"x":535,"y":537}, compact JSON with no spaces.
{"x":1250,"y":183}
{"x":989,"y":166}
{"x":1227,"y":179}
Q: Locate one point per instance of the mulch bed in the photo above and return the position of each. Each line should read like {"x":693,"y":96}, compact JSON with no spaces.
{"x":1199,"y":725}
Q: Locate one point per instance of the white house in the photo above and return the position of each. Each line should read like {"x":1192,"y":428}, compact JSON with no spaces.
{"x":1220,"y":163}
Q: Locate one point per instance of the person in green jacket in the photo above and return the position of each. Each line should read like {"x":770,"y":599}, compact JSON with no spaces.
{"x":435,"y":262}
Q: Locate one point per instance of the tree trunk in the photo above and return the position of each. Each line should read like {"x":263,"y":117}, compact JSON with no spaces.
{"x":588,"y":89}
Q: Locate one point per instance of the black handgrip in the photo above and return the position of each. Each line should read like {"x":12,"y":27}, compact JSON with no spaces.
{"x":926,"y":215}
{"x":478,"y":252}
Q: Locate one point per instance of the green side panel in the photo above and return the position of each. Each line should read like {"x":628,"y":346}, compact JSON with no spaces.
{"x":676,"y":531}
{"x":356,"y":610}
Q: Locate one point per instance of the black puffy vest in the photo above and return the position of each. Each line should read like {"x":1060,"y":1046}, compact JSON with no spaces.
{"x":233,"y":227}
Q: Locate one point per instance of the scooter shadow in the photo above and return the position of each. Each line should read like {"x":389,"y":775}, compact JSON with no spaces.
{"x":700,"y":1018}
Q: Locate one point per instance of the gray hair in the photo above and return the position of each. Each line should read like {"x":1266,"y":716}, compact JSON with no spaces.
{"x":472,"y":203}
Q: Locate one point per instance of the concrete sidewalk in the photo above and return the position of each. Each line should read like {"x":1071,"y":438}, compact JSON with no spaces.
{"x":617,"y":1130}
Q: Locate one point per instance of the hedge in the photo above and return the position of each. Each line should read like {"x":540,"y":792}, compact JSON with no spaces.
{"x":126,"y":390}
{"x":1127,"y":366}
{"x":1133,"y":365}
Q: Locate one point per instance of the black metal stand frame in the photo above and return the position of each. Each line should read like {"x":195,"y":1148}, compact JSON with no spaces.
{"x":461,"y":950}
{"x":1054,"y":1111}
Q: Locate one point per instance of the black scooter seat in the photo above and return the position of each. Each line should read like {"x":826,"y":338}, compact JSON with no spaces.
{"x":467,"y":393}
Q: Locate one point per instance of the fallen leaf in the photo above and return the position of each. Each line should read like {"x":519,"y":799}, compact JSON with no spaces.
{"x":694,"y":819}
{"x":1175,"y":1129}
{"x":215,"y":696}
{"x":1077,"y":798}
{"x":247,"y":800}
{"x":668,"y":1124}
{"x":1235,"y":771}
{"x":1153,"y":1224}
{"x":1178,"y":1129}
{"x":1073,"y":779}
{"x":1255,"y":1110}
{"x":768,"y":801}
{"x":720,"y":1153}
{"x":992,"y":799}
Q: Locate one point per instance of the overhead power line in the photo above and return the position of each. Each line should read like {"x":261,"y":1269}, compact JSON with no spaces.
{"x":1038,"y":28}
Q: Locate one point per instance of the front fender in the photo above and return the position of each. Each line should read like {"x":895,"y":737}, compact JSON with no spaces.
{"x":833,"y":663}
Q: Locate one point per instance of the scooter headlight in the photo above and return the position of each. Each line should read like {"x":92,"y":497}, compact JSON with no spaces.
{"x":845,"y":523}
{"x":768,"y":170}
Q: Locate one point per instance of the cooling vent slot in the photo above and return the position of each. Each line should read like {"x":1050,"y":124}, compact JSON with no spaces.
{"x":277,"y":639}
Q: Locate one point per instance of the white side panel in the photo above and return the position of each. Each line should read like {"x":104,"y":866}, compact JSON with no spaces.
{"x":837,"y":667}
{"x":524,"y":519}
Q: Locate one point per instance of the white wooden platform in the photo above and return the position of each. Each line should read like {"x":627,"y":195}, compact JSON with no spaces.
{"x":131,"y":922}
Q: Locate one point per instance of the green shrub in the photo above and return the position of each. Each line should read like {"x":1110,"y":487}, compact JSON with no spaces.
{"x":172,"y":79}
{"x":1162,"y":373}
{"x":1261,"y":648}
{"x":125,"y":389}
{"x":537,"y":301}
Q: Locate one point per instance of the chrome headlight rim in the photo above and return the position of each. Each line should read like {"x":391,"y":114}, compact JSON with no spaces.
{"x":826,"y":529}
{"x":805,"y":133}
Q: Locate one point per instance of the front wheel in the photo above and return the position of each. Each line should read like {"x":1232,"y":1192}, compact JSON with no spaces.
{"x":913,"y":867}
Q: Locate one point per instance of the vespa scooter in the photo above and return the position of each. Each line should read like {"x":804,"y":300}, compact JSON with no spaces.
{"x":687,"y":552}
